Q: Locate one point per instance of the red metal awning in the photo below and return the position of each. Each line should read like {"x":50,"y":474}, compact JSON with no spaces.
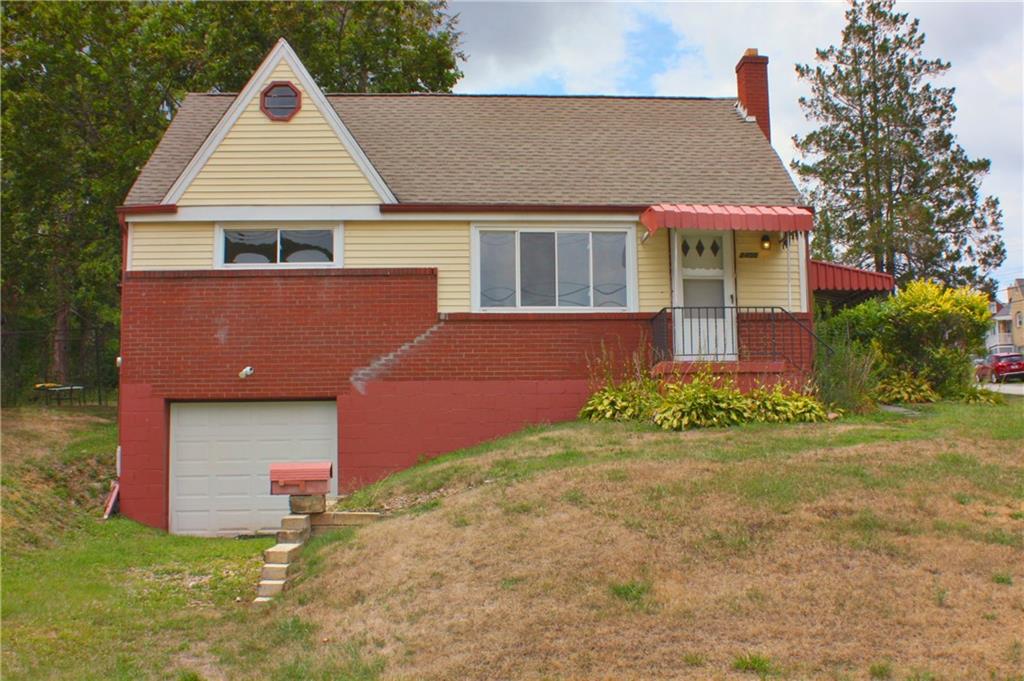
{"x":712,"y":216}
{"x":829,"y":276}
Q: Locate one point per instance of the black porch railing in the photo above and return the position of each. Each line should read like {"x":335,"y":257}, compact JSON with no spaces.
{"x":734,"y":333}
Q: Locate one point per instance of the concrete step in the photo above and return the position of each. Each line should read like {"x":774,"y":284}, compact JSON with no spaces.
{"x":277,"y":570}
{"x":282,"y":553}
{"x":295,"y":521}
{"x":292,"y":536}
{"x":262,"y":599}
{"x":271,"y":587}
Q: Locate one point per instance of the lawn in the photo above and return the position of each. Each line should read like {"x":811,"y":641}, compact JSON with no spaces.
{"x":881,"y":546}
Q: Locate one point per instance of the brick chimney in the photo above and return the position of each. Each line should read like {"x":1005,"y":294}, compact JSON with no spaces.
{"x":752,"y":88}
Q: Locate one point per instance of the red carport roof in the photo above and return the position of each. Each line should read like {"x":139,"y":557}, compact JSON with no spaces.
{"x":714,"y":216}
{"x":829,"y":276}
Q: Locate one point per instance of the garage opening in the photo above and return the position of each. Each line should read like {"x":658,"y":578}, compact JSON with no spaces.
{"x":221,"y":454}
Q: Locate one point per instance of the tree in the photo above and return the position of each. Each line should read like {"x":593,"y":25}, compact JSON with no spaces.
{"x":88,"y":89}
{"x":892,"y":188}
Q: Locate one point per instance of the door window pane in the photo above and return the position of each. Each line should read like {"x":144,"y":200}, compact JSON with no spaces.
{"x":702,"y":252}
{"x":497,"y":269}
{"x":703,"y":294}
{"x":609,"y":269}
{"x":537,"y":269}
{"x":307,"y":245}
{"x":574,"y":269}
{"x":250,"y":247}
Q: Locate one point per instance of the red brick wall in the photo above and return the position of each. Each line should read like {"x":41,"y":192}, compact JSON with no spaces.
{"x":752,"y":89}
{"x":322,"y":334}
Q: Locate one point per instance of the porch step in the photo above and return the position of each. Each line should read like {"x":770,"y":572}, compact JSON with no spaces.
{"x":271,"y":587}
{"x":282,"y":553}
{"x":262,"y":599}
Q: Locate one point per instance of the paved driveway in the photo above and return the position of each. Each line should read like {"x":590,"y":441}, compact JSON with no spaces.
{"x":1015,"y":388}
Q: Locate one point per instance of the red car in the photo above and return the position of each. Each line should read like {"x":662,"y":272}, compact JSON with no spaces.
{"x":1000,"y":367}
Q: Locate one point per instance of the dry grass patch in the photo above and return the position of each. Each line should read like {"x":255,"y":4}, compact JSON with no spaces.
{"x":800,"y":552}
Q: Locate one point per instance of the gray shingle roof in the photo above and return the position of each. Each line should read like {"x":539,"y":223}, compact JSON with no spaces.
{"x":481,"y":149}
{"x":196,"y":118}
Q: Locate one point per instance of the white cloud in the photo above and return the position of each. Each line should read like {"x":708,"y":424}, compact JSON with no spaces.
{"x":511,"y":46}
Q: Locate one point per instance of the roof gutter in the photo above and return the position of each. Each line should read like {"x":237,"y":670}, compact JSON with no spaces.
{"x":146,"y":209}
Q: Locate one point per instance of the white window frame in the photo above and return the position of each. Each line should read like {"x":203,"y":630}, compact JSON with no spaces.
{"x":218,"y":257}
{"x":632,"y":293}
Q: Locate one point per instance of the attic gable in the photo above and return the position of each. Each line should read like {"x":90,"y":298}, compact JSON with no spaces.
{"x":255,"y":158}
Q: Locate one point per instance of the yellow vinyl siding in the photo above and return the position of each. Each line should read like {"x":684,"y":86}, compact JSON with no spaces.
{"x":444,"y":245}
{"x":768,"y":279}
{"x":653,"y":270}
{"x":263,"y":162}
{"x":171,"y":246}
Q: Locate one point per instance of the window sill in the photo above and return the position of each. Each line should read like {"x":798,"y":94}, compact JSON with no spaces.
{"x":546,"y":316}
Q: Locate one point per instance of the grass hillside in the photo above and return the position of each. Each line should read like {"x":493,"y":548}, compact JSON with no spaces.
{"x":879,"y":547}
{"x":874,"y":547}
{"x":56,"y":471}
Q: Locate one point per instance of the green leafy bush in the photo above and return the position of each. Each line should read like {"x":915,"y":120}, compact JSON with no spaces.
{"x":630,"y":400}
{"x":927,"y":329}
{"x":778,"y":405}
{"x":704,"y":402}
{"x":973,"y":394}
{"x":904,"y":387}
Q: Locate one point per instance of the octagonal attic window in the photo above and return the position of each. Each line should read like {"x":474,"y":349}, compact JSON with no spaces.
{"x":280,"y":101}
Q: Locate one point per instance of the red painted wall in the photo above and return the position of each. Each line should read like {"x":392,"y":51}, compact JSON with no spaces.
{"x":453,"y":380}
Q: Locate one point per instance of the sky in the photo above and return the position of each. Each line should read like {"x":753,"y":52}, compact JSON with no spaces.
{"x":691,"y":49}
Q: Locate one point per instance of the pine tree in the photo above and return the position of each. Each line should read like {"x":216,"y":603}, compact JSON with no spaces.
{"x":893,"y":189}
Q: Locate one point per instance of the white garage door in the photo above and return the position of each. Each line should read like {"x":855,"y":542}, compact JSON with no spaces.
{"x":220,"y":460}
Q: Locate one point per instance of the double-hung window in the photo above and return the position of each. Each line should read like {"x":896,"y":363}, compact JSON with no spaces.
{"x":279,"y":246}
{"x":553,"y":269}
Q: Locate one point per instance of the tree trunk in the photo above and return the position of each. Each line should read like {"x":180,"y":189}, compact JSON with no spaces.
{"x":59,"y":349}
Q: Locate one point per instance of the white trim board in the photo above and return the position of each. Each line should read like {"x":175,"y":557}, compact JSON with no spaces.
{"x":318,"y":212}
{"x":282,"y":51}
{"x":315,"y":213}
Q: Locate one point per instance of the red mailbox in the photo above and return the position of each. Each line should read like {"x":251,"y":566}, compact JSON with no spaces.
{"x":307,"y":478}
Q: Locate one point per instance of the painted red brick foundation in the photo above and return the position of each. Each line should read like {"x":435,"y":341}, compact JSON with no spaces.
{"x":408,"y":382}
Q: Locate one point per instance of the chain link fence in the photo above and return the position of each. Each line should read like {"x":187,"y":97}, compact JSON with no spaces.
{"x":27,"y":371}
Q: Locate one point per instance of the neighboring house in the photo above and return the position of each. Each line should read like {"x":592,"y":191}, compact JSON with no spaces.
{"x":372,"y":279}
{"x":1000,"y":334}
{"x":1015,"y":306}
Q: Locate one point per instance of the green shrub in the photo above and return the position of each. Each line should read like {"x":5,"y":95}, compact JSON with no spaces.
{"x":778,"y":405}
{"x":631,"y":400}
{"x":903,"y":386}
{"x":927,"y":329}
{"x":704,"y":402}
{"x":973,"y":394}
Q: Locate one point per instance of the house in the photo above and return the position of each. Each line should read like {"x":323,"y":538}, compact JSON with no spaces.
{"x":999,"y":337}
{"x":373,"y":279}
{"x":1015,"y":310}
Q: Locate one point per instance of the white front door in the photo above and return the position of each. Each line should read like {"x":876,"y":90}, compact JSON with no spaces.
{"x":220,"y":461}
{"x":704,"y":287}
